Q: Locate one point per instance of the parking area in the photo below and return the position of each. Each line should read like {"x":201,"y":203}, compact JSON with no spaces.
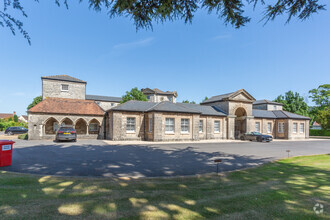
{"x":99,"y":158}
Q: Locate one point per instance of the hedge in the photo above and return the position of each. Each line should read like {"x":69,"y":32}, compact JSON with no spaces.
{"x":23,"y":136}
{"x":313,"y":132}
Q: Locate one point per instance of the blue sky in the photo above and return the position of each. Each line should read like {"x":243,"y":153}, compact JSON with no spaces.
{"x":201,"y":59}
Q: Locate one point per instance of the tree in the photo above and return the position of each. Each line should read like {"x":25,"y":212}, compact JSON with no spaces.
{"x":206,"y":98}
{"x":187,"y":101}
{"x":134,"y":94}
{"x":15,"y":118}
{"x":35,"y":101}
{"x":145,"y":12}
{"x":321,"y":96}
{"x":323,"y":118}
{"x":293,"y":102}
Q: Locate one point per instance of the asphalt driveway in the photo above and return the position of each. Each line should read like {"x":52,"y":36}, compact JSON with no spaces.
{"x":97,"y":158}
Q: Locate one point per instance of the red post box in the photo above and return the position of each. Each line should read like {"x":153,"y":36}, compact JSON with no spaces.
{"x":6,"y":152}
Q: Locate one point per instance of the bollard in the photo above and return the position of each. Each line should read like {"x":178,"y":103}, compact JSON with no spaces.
{"x":288,"y":153}
{"x":217,"y":161}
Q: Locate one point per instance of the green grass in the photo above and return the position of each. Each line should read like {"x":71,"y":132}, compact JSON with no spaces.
{"x":287,"y":189}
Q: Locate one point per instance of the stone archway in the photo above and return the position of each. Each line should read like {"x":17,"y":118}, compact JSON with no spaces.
{"x":240,"y":122}
{"x":94,"y":126}
{"x":81,"y":126}
{"x":67,"y":122}
{"x":51,"y":126}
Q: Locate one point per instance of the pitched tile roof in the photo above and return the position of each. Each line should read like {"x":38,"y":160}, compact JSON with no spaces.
{"x":64,"y":78}
{"x":158,"y":91}
{"x":6,"y":115}
{"x":67,"y":106}
{"x":140,"y":106}
{"x":103,"y":98}
{"x":227,"y":96}
{"x":265,"y":101}
{"x":277,"y":114}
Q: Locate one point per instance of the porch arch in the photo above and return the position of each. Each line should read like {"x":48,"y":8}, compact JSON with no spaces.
{"x":66,"y":121}
{"x":240,"y":122}
{"x":81,"y":126}
{"x":51,"y":125}
{"x":93,"y":126}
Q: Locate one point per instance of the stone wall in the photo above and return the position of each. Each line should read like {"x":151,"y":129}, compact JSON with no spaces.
{"x":53,"y":88}
{"x":106,"y":105}
{"x":161,"y":98}
{"x":37,"y":125}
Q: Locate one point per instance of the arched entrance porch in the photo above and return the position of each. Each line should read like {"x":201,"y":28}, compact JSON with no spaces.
{"x":240,"y":122}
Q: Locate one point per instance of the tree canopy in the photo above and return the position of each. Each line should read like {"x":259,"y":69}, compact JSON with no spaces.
{"x":134,"y":94}
{"x":321,"y":96}
{"x":145,"y":12}
{"x":323,"y":118}
{"x":35,"y":101}
{"x":293,"y":102}
{"x":187,"y":101}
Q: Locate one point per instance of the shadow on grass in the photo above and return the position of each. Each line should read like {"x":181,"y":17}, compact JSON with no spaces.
{"x":276,"y":190}
{"x":118,"y":161}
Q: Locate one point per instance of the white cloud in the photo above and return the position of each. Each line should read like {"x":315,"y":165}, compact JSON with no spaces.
{"x":139,"y":43}
{"x":223,"y":36}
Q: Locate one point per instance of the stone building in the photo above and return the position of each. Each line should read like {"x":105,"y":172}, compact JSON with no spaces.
{"x":65,"y":103}
{"x":157,"y":95}
{"x":226,"y":116}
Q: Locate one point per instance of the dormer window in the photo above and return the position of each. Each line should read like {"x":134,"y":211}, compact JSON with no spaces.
{"x":65,"y":87}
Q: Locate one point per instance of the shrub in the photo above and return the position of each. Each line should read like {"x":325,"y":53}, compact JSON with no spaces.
{"x":23,"y":136}
{"x":313,"y":132}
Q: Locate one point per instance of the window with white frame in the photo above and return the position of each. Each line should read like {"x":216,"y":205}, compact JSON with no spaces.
{"x":93,"y":127}
{"x":184,"y":125}
{"x":130,"y":125}
{"x":295,"y":125}
{"x":269,"y":127}
{"x":200,"y":127}
{"x":302,"y":127}
{"x":169,"y":125}
{"x":65,"y":87}
{"x":281,"y":127}
{"x":216,"y":126}
{"x":150,"y":124}
{"x":257,"y":126}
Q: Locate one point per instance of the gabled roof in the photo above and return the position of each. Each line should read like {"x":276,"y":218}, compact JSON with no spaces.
{"x":103,"y":98}
{"x":140,"y":106}
{"x":6,"y":115}
{"x":158,"y":91}
{"x":265,"y":101}
{"x":229,"y":96}
{"x":67,"y":106}
{"x":63,"y":78}
{"x":277,"y":114}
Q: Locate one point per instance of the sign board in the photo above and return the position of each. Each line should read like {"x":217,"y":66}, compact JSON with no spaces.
{"x":6,"y":147}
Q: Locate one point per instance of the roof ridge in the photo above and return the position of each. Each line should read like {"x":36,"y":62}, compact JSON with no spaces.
{"x":153,"y":106}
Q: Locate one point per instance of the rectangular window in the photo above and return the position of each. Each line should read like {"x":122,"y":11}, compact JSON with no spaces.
{"x":130,"y":125}
{"x":295,"y":125}
{"x":269,"y":127}
{"x":302,"y":127}
{"x":281,"y":127}
{"x":275,"y":107}
{"x":216,"y":126}
{"x":65,"y":87}
{"x":150,"y":124}
{"x":184,"y":125}
{"x":200,"y":127}
{"x":257,"y":126}
{"x":169,"y":125}
{"x":93,"y":127}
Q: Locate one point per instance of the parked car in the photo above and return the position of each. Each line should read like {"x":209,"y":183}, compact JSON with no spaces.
{"x":15,"y":130}
{"x":66,"y":134}
{"x":256,"y":136}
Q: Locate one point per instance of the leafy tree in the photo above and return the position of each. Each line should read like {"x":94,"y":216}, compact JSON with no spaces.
{"x":206,"y":98}
{"x":321,"y":96}
{"x":35,"y":101}
{"x":187,"y":101}
{"x":134,"y":94}
{"x":323,"y":118}
{"x":293,"y":102}
{"x":145,"y":12}
{"x":15,"y":118}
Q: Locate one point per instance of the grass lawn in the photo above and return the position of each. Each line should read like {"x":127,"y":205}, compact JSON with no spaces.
{"x":286,"y":189}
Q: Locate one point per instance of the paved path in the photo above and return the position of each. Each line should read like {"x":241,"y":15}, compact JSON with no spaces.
{"x":97,"y":158}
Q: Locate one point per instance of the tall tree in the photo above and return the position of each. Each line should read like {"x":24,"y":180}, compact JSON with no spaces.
{"x":293,"y":102}
{"x":35,"y":101}
{"x":134,"y":94}
{"x":321,"y":96}
{"x":323,"y":118}
{"x":145,"y":12}
{"x":187,"y":101}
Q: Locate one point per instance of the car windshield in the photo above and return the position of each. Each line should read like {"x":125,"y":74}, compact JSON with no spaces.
{"x":68,"y":129}
{"x":256,"y":133}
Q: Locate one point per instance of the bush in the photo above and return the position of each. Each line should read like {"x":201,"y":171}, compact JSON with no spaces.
{"x":23,"y":136}
{"x":313,"y":132}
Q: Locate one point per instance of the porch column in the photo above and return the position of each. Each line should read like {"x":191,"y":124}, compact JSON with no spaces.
{"x":249,"y":124}
{"x":231,"y":127}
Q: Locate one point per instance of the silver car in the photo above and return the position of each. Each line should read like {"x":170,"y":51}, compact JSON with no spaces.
{"x":66,"y":134}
